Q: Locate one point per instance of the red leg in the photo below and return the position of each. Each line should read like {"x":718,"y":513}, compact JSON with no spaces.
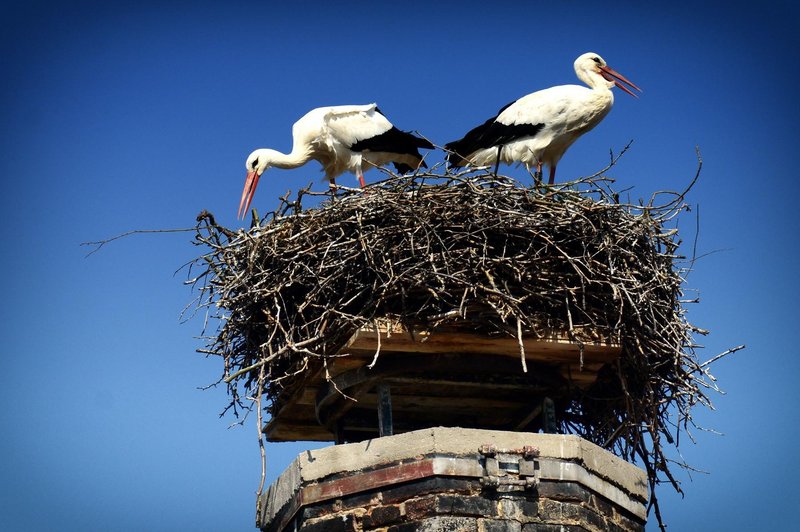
{"x":537,"y":175}
{"x":361,"y":180}
{"x":552,"y":174}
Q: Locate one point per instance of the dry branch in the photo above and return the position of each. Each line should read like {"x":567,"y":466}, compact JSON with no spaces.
{"x":467,"y":250}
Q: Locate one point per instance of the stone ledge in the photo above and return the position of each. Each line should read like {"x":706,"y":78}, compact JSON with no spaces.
{"x":341,"y":470}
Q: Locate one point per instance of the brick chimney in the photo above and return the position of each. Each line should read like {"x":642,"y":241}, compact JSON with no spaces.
{"x":456,"y":479}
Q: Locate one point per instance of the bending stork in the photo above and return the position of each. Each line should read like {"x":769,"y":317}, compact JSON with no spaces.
{"x":538,"y":128}
{"x":342,"y":138}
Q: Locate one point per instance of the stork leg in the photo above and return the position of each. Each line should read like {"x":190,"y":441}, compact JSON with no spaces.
{"x":497,"y":161}
{"x":552,"y":174}
{"x":332,"y":188}
{"x":537,"y":175}
{"x":361,"y":179}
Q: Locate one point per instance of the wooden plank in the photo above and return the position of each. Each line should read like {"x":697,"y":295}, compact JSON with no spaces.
{"x":434,"y":403}
{"x":342,"y":364}
{"x":529,"y":417}
{"x":556,"y":348}
{"x":482,"y":389}
{"x":307,"y":396}
{"x":440,"y":387}
{"x":284,"y":431}
{"x":366,"y":420}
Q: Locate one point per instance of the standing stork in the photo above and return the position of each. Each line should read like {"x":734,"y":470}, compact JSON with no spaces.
{"x":342,"y":138}
{"x":538,"y":128}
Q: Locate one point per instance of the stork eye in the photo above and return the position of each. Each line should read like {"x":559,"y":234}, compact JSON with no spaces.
{"x":255,"y":164}
{"x":596,"y":60}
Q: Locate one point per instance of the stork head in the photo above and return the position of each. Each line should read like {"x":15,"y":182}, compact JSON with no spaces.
{"x":257,"y":163}
{"x":591,"y":68}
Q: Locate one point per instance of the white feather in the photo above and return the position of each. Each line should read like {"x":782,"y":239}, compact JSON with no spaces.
{"x":565,"y":113}
{"x":328,"y":135}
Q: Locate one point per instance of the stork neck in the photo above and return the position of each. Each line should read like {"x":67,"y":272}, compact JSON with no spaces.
{"x":299,"y":156}
{"x":595,"y":81}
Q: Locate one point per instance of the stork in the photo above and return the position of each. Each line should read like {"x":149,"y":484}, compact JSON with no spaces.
{"x":342,"y":138}
{"x":538,"y":128}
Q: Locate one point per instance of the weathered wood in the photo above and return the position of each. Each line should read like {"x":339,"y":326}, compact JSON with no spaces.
{"x":420,"y":402}
{"x":288,"y":431}
{"x":363,"y":421}
{"x":528,"y":419}
{"x":556,"y":348}
{"x":445,"y":377}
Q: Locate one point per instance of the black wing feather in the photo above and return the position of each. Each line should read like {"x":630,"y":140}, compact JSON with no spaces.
{"x":393,"y":141}
{"x":488,"y":135}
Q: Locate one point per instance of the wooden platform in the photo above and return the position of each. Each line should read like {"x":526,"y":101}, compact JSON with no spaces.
{"x":440,"y":378}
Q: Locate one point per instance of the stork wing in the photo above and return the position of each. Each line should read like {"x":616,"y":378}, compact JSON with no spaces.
{"x":349,"y":124}
{"x":493,"y":132}
{"x":547,"y":106}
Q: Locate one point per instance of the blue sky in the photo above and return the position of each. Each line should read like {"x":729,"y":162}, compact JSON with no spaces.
{"x":139,"y":116}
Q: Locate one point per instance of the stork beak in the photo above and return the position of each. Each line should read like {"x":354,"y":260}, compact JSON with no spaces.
{"x":609,"y":73}
{"x":250,"y":185}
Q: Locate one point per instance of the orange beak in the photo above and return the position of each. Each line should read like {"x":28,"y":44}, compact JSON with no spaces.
{"x":609,"y":73}
{"x":250,"y":185}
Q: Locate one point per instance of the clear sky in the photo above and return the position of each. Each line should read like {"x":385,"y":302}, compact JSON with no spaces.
{"x":139,"y":116}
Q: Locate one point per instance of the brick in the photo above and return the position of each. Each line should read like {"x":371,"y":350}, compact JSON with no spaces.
{"x":519,"y":509}
{"x":447,"y":524}
{"x":381,"y":516}
{"x":632,"y":524}
{"x":499,"y":525}
{"x":317,"y":510}
{"x":359,"y":500}
{"x":338,"y":523}
{"x":421,"y":507}
{"x":451,"y":504}
{"x":410,"y":490}
{"x":544,"y":527}
{"x":602,"y":505}
{"x":557,"y":512}
{"x":621,"y":514}
{"x":404,"y":527}
{"x":594,"y":520}
{"x":614,"y":527}
{"x":563,"y":491}
{"x":550,"y":510}
{"x":437,"y":524}
{"x":466,"y":505}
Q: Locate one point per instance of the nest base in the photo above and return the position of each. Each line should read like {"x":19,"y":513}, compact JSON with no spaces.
{"x":443,"y":377}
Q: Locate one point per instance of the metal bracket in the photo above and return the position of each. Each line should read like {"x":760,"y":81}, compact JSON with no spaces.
{"x":549,"y":416}
{"x":385,"y":426}
{"x":509,"y":469}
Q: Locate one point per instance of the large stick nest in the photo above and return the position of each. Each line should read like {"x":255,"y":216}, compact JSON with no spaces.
{"x":471,"y":250}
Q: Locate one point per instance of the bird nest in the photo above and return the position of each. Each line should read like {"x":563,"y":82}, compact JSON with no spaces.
{"x":474,"y":251}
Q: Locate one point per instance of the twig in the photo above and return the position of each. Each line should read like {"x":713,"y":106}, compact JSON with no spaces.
{"x":100,"y":243}
{"x":470,"y":251}
{"x":521,"y":346}
{"x":378,"y":348}
{"x":724,"y":353}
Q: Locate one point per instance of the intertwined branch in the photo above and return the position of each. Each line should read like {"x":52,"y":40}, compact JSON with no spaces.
{"x":468,"y":250}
